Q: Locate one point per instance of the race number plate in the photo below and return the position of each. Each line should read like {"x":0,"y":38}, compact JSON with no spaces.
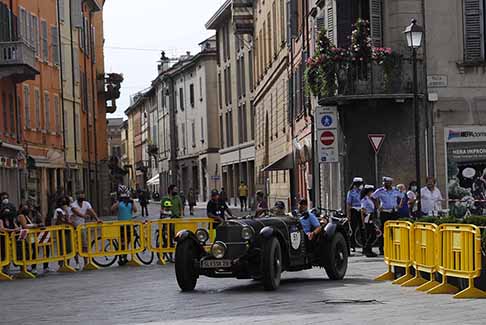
{"x":215,"y":264}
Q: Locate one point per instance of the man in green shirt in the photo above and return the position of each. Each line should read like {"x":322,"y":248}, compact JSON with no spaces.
{"x":173,"y":196}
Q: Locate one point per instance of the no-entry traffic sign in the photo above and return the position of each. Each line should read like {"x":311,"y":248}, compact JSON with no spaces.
{"x":327,"y":138}
{"x":376,"y":141}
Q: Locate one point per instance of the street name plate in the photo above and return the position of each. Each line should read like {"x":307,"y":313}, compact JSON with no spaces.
{"x":437,"y":81}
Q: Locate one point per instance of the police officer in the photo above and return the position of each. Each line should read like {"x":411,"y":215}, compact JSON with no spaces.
{"x":368,"y":215}
{"x":386,"y":200}
{"x":353,"y":209}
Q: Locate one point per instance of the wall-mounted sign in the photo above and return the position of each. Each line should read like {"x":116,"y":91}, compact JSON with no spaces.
{"x":437,"y":81}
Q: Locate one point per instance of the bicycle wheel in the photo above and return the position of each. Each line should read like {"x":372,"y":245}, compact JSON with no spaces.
{"x":146,"y":256}
{"x":378,"y":235}
{"x":165,"y":257}
{"x":104,"y":261}
{"x":357,"y":238}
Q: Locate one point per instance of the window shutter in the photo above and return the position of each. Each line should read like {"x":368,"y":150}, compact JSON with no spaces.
{"x":36,"y":35}
{"x":473,"y":30}
{"x":55,"y":45}
{"x":93,"y":44}
{"x":344,"y":22}
{"x":47,"y":124}
{"x":37,"y":109}
{"x":376,"y":22}
{"x":63,"y":61}
{"x":27,"y":106}
{"x":330,"y":23}
{"x":320,"y":23}
{"x":293,"y":18}
{"x":61,"y":9}
{"x":77,"y":14}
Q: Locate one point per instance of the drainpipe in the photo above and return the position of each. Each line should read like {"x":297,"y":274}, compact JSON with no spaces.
{"x":73,"y":80}
{"x":431,"y":170}
{"x":94,"y":98}
{"x":62,"y":90}
{"x":88,"y":144}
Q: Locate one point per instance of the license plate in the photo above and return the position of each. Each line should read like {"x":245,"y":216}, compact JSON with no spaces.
{"x":215,"y":264}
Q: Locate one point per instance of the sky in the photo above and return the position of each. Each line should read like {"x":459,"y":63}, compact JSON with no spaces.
{"x":137,"y":31}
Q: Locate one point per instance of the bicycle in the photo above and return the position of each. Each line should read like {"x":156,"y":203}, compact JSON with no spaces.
{"x":378,"y":234}
{"x":165,"y":242}
{"x":146,"y":257}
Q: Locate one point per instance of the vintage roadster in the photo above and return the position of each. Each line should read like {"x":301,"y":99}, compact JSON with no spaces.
{"x":261,"y":249}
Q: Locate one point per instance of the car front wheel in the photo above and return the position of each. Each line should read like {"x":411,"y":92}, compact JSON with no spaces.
{"x":271,"y":264}
{"x":186,"y":273}
{"x":336,"y":257}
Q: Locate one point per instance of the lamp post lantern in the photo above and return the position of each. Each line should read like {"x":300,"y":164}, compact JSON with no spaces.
{"x":414,"y":34}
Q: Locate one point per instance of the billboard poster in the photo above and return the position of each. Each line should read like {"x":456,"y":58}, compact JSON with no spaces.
{"x":466,"y":170}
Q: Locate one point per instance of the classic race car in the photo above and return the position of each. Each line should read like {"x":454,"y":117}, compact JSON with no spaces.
{"x":261,"y":249}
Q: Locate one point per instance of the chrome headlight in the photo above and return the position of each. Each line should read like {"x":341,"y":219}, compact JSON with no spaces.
{"x":247,"y":233}
{"x":202,"y":235}
{"x":218,"y":249}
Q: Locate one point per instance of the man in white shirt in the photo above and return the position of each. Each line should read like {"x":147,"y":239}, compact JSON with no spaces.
{"x":430,"y":197}
{"x":81,"y":211}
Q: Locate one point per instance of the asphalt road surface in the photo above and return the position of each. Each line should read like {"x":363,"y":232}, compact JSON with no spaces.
{"x":149,"y":294}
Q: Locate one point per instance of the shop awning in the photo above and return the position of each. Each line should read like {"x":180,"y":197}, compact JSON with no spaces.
{"x":284,"y":163}
{"x":154,"y":180}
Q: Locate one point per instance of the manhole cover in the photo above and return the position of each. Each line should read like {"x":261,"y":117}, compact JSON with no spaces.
{"x":349,"y":301}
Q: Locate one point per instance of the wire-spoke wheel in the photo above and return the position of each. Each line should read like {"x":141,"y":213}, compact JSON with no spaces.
{"x":104,"y":261}
{"x":146,"y":256}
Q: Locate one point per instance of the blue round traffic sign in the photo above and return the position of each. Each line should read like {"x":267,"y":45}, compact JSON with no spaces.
{"x":327,"y":120}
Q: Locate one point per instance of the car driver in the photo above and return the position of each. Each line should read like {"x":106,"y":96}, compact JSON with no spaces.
{"x":308,"y":220}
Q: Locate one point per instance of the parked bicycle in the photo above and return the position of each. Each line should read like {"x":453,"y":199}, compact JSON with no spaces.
{"x":145,"y":257}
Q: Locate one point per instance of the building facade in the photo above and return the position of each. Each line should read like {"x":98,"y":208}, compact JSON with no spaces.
{"x":54,"y":74}
{"x":19,"y":64}
{"x":235,"y":106}
{"x":456,"y":105}
{"x":195,"y":105}
{"x":273,"y":141}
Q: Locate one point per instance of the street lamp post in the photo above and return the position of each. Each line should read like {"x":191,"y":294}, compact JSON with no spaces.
{"x":413,"y":34}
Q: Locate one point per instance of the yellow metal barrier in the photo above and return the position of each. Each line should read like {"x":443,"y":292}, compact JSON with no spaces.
{"x":397,"y":238}
{"x":424,"y":255}
{"x":459,"y":256}
{"x":4,"y":254}
{"x":111,"y":239}
{"x":46,"y":245}
{"x":162,"y":232}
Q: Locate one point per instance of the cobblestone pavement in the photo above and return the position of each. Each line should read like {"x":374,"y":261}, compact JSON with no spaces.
{"x":129,"y":295}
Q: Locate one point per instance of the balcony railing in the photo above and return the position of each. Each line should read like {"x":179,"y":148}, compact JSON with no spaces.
{"x":17,"y":59}
{"x":242,"y":11}
{"x":363,"y":80}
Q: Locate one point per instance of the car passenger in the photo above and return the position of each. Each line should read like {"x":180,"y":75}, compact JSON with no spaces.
{"x":278,"y":210}
{"x":308,"y":220}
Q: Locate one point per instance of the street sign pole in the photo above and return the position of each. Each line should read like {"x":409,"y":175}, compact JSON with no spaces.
{"x":376,"y":141}
{"x":376,"y":169}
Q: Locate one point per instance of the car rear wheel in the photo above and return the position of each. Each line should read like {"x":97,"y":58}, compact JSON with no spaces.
{"x":271,"y":264}
{"x":336,"y":257}
{"x":186,"y":272}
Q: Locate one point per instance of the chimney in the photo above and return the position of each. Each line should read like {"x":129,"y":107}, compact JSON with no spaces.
{"x":164,"y":63}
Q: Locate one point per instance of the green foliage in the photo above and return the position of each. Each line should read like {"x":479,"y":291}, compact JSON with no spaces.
{"x":328,"y":61}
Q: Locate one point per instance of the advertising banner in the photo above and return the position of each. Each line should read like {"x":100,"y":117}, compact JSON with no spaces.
{"x":466,"y":169}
